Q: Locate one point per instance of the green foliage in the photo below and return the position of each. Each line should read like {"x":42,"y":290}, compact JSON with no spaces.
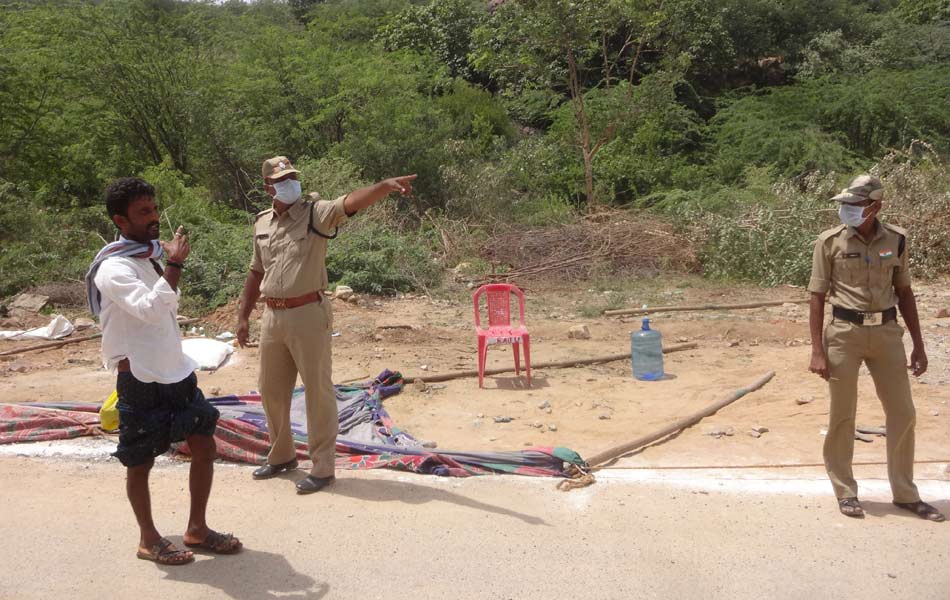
{"x":39,"y":244}
{"x":521,"y":115}
{"x":375,"y":258}
{"x":220,"y":238}
{"x":923,"y":11}
{"x":768,"y":244}
{"x":442,"y":28}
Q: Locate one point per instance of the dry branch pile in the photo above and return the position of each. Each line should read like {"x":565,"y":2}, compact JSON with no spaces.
{"x":616,"y":243}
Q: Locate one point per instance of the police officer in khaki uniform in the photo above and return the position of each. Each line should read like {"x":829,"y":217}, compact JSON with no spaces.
{"x":862,"y":267}
{"x":289,"y":269}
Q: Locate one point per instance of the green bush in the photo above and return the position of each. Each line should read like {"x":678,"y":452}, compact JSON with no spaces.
{"x":40,"y":245}
{"x":220,"y":237}
{"x":372,"y":257}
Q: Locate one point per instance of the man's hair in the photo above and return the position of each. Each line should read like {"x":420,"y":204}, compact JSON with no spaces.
{"x":124,"y":190}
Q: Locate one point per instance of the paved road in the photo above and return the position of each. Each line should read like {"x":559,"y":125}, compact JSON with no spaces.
{"x":68,"y":533}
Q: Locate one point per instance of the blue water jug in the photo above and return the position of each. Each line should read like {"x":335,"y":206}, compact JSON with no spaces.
{"x":646,"y":353}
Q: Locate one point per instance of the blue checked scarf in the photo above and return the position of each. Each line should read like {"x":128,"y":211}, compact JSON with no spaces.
{"x":123,"y":247}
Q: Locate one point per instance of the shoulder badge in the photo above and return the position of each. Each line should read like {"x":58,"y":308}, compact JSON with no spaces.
{"x":894,"y":228}
{"x":829,"y":233}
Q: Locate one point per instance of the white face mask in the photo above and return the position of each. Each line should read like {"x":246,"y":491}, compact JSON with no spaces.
{"x":287,"y":191}
{"x":851,"y":215}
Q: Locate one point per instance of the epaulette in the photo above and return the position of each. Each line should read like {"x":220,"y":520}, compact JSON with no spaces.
{"x":895,"y":228}
{"x":262,"y":213}
{"x":901,"y":234}
{"x":824,"y":235}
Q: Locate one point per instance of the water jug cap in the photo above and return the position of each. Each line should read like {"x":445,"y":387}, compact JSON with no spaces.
{"x":646,"y":325}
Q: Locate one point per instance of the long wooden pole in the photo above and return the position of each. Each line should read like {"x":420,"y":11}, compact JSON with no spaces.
{"x":51,"y":344}
{"x":656,"y":309}
{"x":66,"y":341}
{"x":618,"y":451}
{"x":544,"y":365}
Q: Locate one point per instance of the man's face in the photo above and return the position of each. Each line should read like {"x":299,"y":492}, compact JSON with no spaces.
{"x":141,"y":224}
{"x":269,"y":183}
{"x":871,"y":207}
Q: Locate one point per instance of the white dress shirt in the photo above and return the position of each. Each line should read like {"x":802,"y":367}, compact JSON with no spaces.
{"x":138,"y":321}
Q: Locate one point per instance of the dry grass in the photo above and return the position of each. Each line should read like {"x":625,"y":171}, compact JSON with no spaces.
{"x":615,"y":242}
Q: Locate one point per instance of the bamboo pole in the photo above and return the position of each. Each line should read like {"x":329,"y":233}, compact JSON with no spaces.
{"x":689,"y":421}
{"x":543,"y":365}
{"x":656,"y":309}
{"x":64,"y":342}
{"x":46,"y":345}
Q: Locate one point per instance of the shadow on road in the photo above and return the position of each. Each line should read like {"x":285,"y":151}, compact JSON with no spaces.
{"x":400,"y":491}
{"x":248,"y":575}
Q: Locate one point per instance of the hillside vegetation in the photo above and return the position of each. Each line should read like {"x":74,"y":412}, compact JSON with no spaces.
{"x":732,"y":121}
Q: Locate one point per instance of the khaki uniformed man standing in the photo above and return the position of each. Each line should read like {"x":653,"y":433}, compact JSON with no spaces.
{"x":288,"y":268}
{"x":862,"y":267}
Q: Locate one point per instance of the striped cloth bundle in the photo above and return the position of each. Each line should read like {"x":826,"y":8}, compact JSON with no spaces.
{"x":122,"y":247}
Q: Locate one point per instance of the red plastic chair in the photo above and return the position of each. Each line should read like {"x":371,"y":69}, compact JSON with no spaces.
{"x":500,"y":331}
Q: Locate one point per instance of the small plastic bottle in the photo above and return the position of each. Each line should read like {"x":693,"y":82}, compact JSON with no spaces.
{"x":646,"y":353}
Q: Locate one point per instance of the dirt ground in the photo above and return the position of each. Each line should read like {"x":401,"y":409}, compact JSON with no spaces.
{"x":587,"y":408}
{"x":698,"y":516}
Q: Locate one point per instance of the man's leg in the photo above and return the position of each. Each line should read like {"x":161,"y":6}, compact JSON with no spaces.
{"x":136,"y":487}
{"x":888,"y":365}
{"x":277,"y":378}
{"x":200,"y":478}
{"x":843,"y":344}
{"x":312,"y":351}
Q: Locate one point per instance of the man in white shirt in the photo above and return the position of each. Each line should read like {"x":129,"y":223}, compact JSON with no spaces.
{"x":159,"y":399}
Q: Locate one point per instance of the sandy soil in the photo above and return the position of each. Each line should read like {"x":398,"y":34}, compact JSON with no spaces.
{"x":591,"y":408}
{"x":648,"y":528}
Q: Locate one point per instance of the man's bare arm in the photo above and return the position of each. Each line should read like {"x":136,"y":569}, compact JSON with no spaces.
{"x":908,"y":307}
{"x":367,"y":196}
{"x":252,"y":291}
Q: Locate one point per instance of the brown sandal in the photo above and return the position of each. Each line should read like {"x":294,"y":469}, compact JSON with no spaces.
{"x":922,"y":510}
{"x":165,"y":553}
{"x":218,"y":543}
{"x":850,"y":507}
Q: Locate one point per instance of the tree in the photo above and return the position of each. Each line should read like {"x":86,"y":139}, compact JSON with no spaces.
{"x":592,"y":51}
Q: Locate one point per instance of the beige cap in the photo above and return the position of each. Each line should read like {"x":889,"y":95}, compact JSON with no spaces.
{"x":861,"y":188}
{"x":277,"y":167}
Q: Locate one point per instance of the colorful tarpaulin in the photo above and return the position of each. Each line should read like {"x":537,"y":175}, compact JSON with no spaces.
{"x":368,"y":438}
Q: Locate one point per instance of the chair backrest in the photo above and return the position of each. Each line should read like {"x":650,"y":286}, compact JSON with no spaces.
{"x":498,"y":300}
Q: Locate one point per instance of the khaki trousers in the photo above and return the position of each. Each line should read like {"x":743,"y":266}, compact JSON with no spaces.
{"x":298,"y":340}
{"x":881,"y":348}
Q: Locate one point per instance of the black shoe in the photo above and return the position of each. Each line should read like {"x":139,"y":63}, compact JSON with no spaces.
{"x":269,"y":470}
{"x":311,"y":484}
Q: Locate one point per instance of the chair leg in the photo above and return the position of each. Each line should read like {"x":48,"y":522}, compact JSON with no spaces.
{"x":482,"y":352}
{"x":515,"y":348}
{"x":527,"y":357}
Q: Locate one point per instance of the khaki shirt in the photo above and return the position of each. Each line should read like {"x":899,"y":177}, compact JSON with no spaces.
{"x":857,"y":274}
{"x":292,"y":258}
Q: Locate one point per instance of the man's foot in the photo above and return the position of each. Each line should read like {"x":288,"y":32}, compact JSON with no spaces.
{"x":165,"y":553}
{"x":269,"y":470}
{"x":216,"y":543}
{"x":311,"y":484}
{"x":922,"y":510}
{"x":850,"y":507}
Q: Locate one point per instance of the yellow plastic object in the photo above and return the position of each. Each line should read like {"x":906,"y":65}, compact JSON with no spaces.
{"x":109,"y":413}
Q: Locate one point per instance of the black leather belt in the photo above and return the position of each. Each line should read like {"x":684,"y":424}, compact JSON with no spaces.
{"x":862,"y":318}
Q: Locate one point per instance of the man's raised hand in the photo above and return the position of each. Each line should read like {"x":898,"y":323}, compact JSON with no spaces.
{"x":402,"y":184}
{"x":177,"y":249}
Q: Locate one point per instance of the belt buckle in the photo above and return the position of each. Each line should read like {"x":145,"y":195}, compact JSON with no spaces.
{"x":872,"y":318}
{"x":279,"y":303}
